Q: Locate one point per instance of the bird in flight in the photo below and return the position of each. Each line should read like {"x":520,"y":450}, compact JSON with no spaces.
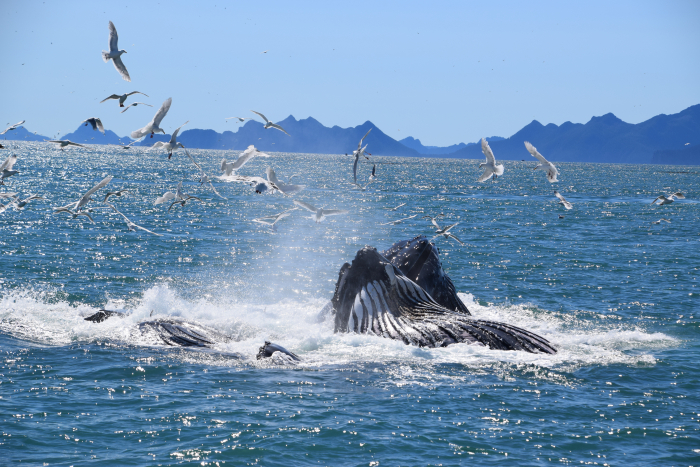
{"x":115,"y":54}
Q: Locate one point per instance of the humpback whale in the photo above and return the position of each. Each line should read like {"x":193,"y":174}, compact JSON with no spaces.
{"x":404,"y":294}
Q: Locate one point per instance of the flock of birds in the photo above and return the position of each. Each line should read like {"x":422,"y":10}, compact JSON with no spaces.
{"x":492,"y":170}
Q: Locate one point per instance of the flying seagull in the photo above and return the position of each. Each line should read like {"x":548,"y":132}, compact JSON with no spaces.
{"x":172,"y":144}
{"x":85,"y":199}
{"x":96,"y":124}
{"x":269,"y":124}
{"x":6,"y":168}
{"x":20,"y":204}
{"x":544,"y":164}
{"x":62,"y":143}
{"x":13,"y":127}
{"x":134,"y":105}
{"x":240,"y":119}
{"x":397,"y":207}
{"x":490,"y":166}
{"x":398,"y":221}
{"x":272,"y":220}
{"x":180,"y":197}
{"x":114,"y":193}
{"x":122,"y":97}
{"x":132,"y":227}
{"x":154,"y":125}
{"x":204,"y":178}
{"x":228,"y":167}
{"x":319,"y":213}
{"x":443,"y":232}
{"x":563,"y":201}
{"x":359,"y":152}
{"x":114,"y":53}
{"x":662,"y":219}
{"x":668,"y":199}
{"x":73,"y":213}
{"x":285,"y":188}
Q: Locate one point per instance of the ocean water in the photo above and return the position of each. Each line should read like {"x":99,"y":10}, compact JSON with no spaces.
{"x":616,"y":294}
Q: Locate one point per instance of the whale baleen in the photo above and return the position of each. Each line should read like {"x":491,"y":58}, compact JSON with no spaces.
{"x":404,"y":294}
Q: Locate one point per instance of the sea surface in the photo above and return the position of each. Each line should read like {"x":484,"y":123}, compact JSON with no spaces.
{"x":618,"y":295}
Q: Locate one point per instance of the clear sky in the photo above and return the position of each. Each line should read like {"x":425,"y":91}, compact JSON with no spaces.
{"x":444,"y":72}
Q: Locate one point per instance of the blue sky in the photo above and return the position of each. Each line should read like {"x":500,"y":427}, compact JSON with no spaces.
{"x":444,"y":72}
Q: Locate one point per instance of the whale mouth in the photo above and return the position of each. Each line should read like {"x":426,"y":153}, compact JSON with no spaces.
{"x":373,"y":296}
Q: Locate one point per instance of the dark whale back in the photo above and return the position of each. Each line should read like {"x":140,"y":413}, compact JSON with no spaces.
{"x":418,"y":259}
{"x":373,"y":296}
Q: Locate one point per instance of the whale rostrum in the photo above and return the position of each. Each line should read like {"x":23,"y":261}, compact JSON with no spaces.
{"x":376,"y":295}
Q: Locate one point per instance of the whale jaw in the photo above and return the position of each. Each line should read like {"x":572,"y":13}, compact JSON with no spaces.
{"x":373,"y":296}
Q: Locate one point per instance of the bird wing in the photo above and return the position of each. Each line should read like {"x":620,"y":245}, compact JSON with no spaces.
{"x":432,"y":219}
{"x":274,"y":125}
{"x":224,"y":164}
{"x":359,"y":145}
{"x":354,"y":169}
{"x":104,"y":182}
{"x":333,"y":212}
{"x":71,"y":143}
{"x":127,"y":108}
{"x":679,"y":195}
{"x":144,"y":229}
{"x":247,"y":155}
{"x":141,"y":132}
{"x":532,"y":150}
{"x":552,"y":173}
{"x":263,"y":220}
{"x":173,"y":138}
{"x":113,"y":96}
{"x":200,"y":168}
{"x":447,"y":229}
{"x":449,"y":235}
{"x":486,"y":175}
{"x":9,"y":162}
{"x":288,"y":189}
{"x":558,"y":195}
{"x":662,"y":197}
{"x":160,"y":115}
{"x":113,"y":38}
{"x":136,"y":92}
{"x":119,"y":65}
{"x":158,"y":144}
{"x":397,"y":207}
{"x":271,"y":176}
{"x":86,"y":215}
{"x":486,"y":149}
{"x":166,"y":197}
{"x":263,"y":117}
{"x":13,"y":127}
{"x":304,"y":205}
{"x":118,"y":212}
{"x":99,"y":125}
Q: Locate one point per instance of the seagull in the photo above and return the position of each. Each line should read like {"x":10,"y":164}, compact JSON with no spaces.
{"x":8,"y":195}
{"x":443,"y":232}
{"x":13,"y":127}
{"x":272,"y":220}
{"x":204,"y":178}
{"x":64,"y":142}
{"x":397,"y":207}
{"x":320,"y":213}
{"x":360,"y":151}
{"x":96,"y":124}
{"x":544,"y":164}
{"x":269,"y":124}
{"x":73,"y":213}
{"x":398,"y":221}
{"x":6,"y":168}
{"x":128,"y":146}
{"x":563,"y":201}
{"x":20,"y":204}
{"x":173,"y":144}
{"x":114,"y":193}
{"x":134,"y":105}
{"x":240,"y":119}
{"x":228,"y":167}
{"x":662,"y":219}
{"x":668,"y":199}
{"x":167,"y":196}
{"x":122,"y":97}
{"x":490,"y":166}
{"x":154,"y":125}
{"x":132,"y":227}
{"x":374,"y":172}
{"x":115,"y":54}
{"x":85,"y":199}
{"x":285,"y":188}
{"x":181,"y":198}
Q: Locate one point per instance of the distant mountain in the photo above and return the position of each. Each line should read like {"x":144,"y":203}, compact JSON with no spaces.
{"x":689,"y":155}
{"x":307,"y":135}
{"x":22,"y":134}
{"x":602,"y":139}
{"x":436,"y":150}
{"x":86,"y":135}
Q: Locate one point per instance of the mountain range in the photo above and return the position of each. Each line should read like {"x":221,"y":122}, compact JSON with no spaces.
{"x":667,"y":139}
